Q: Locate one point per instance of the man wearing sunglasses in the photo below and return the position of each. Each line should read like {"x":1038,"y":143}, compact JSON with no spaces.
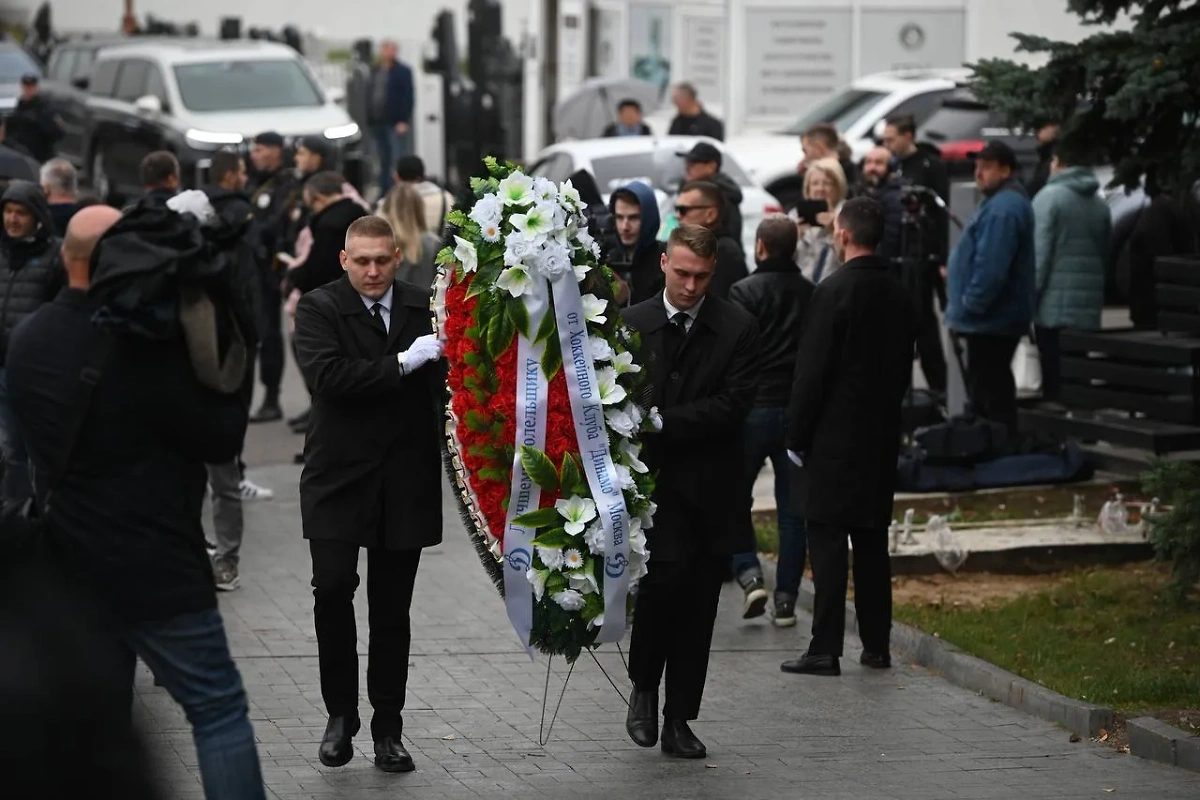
{"x":701,"y":203}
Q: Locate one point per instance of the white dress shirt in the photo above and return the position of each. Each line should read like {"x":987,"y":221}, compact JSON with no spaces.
{"x":386,"y":307}
{"x":692,"y":312}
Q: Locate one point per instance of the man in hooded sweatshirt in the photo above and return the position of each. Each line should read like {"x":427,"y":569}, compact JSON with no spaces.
{"x":30,"y":276}
{"x":637,"y":255}
{"x":703,"y":163}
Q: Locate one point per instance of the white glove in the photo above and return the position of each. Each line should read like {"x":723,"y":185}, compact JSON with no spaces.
{"x":425,"y":349}
{"x":194,"y":202}
{"x":795,"y":458}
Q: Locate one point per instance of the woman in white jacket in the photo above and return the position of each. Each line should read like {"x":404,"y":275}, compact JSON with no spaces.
{"x":825,"y":180}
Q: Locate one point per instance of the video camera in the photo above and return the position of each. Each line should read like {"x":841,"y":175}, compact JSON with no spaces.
{"x":919,"y":201}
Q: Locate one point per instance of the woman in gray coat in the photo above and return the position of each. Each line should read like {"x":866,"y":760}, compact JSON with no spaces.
{"x":1072,"y":230}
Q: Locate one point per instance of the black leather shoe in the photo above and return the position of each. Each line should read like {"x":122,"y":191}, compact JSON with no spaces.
{"x":679,"y":741}
{"x":642,"y":720}
{"x":876,"y":660}
{"x":390,"y":756}
{"x":810,"y":664}
{"x":267,"y":412}
{"x":336,"y":748}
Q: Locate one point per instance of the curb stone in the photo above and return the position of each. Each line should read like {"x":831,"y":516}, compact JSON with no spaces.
{"x":1154,"y":740}
{"x":969,"y":672}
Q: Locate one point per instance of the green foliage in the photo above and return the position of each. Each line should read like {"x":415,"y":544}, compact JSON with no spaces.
{"x":571,"y":479}
{"x":445,"y":256}
{"x":538,"y":518}
{"x":539,"y":468}
{"x":500,"y":333}
{"x":547,"y":328}
{"x":1176,"y":534}
{"x":458,"y":218}
{"x":551,"y":359}
{"x":518,"y":315}
{"x":555,"y":537}
{"x":1126,"y":98}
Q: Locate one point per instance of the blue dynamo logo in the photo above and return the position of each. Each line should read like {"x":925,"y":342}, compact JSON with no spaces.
{"x":519,"y":559}
{"x":614,"y":566}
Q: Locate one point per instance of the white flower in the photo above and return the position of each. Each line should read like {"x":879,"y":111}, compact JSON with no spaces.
{"x":595,"y":539}
{"x":656,"y":418}
{"x":598,"y":621}
{"x":552,"y":557}
{"x":647,"y":516}
{"x":623,"y":363}
{"x":568,"y":195}
{"x":631,"y":452}
{"x":611,"y":392}
{"x":518,"y":249}
{"x":637,"y":567}
{"x":535,"y":224}
{"x":585,"y":238}
{"x":577,"y":511}
{"x":569,"y":600}
{"x":516,"y":190}
{"x":625,"y":476}
{"x":635,"y":412}
{"x":601,"y":349}
{"x":620,"y":422}
{"x":488,"y":211}
{"x":637,"y":538}
{"x":572,"y":559}
{"x":581,"y":271}
{"x":490,"y":231}
{"x":537,"y":578}
{"x":553,"y":259}
{"x":583,"y":581}
{"x":544,"y":190}
{"x":516,"y":281}
{"x":594,"y":308}
{"x":464,"y":251}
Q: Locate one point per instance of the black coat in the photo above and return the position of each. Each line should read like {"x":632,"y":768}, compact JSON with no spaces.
{"x":612,"y":130}
{"x":702,"y":124}
{"x":34,"y":126}
{"x":31,"y":270}
{"x":854,"y":365}
{"x":323,"y":264}
{"x":273,"y":196}
{"x":704,"y":397}
{"x":777,"y":296}
{"x":373,"y":455}
{"x":731,"y":266}
{"x":16,"y":165}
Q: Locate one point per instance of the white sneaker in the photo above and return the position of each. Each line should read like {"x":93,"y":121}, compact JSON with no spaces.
{"x":252,"y":491}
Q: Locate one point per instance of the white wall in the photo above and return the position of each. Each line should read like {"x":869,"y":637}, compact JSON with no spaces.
{"x":991,"y":21}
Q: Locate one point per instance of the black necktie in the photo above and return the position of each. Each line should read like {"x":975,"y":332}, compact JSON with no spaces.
{"x":377,"y":314}
{"x":675,"y":335}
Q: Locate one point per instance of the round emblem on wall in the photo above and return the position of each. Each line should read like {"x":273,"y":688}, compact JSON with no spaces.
{"x":912,"y":36}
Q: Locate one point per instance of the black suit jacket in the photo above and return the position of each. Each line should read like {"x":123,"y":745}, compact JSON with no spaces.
{"x":323,"y":264}
{"x":704,"y":396}
{"x":372,"y":459}
{"x":854,"y":365}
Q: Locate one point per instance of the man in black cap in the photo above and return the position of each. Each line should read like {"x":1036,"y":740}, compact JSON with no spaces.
{"x":704,"y":164}
{"x":33,"y":124}
{"x":990,"y":284}
{"x":270,"y":190}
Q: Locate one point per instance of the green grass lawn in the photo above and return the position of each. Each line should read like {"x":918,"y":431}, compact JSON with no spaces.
{"x":1102,"y":635}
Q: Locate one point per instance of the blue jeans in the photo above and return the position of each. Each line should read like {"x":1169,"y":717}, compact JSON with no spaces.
{"x":15,"y":486}
{"x":391,"y":146}
{"x":189,"y":656}
{"x":764,"y":438}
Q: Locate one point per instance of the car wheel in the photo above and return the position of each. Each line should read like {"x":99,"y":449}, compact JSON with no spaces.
{"x":99,"y":177}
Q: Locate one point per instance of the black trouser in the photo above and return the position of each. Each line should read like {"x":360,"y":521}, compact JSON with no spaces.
{"x":271,"y":365}
{"x":391,"y":575}
{"x":1050,"y":358}
{"x":672,"y":630}
{"x":929,"y":336}
{"x":829,"y":553}
{"x":990,"y":381}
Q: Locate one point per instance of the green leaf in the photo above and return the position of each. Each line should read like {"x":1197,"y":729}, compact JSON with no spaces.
{"x":518,"y":315}
{"x":547,"y":328}
{"x":458,"y":218}
{"x":500,"y":335}
{"x":571,"y":480}
{"x":539,"y":518}
{"x":539,"y":468}
{"x":479,"y":185}
{"x":551,"y":359}
{"x":555,"y":537}
{"x":494,"y":474}
{"x":476,"y":421}
{"x":485,"y":279}
{"x":446,"y":256}
{"x":557,"y":582}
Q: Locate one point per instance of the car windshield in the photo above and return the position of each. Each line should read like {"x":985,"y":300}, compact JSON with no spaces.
{"x":662,"y":169}
{"x":245,"y":85}
{"x":962,"y":119}
{"x":14,"y":63}
{"x":841,"y":111}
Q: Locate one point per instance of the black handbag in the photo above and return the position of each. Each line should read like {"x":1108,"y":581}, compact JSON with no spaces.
{"x":23,"y":522}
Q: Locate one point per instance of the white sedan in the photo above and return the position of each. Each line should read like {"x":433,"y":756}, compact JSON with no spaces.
{"x":657,"y":161}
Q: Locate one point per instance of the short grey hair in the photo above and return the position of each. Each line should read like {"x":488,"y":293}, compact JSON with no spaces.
{"x":60,"y":176}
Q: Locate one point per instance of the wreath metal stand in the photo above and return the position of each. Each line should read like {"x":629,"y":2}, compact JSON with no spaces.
{"x":544,"y":731}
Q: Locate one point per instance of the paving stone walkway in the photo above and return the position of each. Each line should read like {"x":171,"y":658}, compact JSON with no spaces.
{"x":474,"y":706}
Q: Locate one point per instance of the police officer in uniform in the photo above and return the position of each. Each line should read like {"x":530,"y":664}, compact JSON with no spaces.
{"x":273,"y":183}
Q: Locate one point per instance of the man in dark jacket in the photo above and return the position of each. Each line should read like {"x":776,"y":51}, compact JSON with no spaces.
{"x":33,"y":123}
{"x":391,"y":111}
{"x":30,"y":276}
{"x":703,"y":163}
{"x":1047,"y":138}
{"x":629,"y":121}
{"x":160,"y":176}
{"x":776,"y":295}
{"x":702,"y":203}
{"x":60,"y":182}
{"x":701,"y":353}
{"x":15,"y":163}
{"x":124,"y":520}
{"x":991,"y":284}
{"x":332,"y":214}
{"x":372,"y":477}
{"x":823,"y":141}
{"x":922,"y":166}
{"x":692,"y":119}
{"x":636,"y":256}
{"x":843,"y":429}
